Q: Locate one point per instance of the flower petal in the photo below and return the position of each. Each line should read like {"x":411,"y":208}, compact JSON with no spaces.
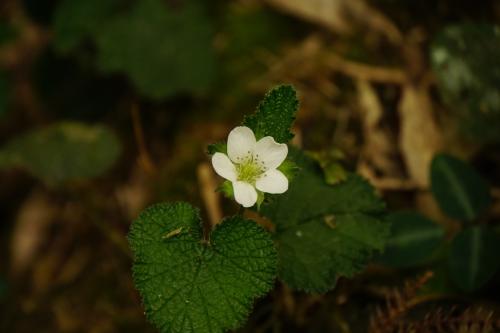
{"x":240,"y":143}
{"x":223,"y":166}
{"x":270,"y":153}
{"x":244,"y":194}
{"x":272,"y":181}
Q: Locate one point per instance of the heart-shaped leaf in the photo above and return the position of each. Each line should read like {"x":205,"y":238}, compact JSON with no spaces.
{"x":474,"y":257}
{"x":459,"y":190}
{"x":191,"y":285}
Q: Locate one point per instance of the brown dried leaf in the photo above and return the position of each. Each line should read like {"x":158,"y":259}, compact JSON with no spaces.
{"x":420,"y":135}
{"x":32,"y":222}
{"x":379,"y":148}
{"x":340,"y":15}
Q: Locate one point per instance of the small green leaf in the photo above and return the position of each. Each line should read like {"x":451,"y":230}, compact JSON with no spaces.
{"x":465,"y":60}
{"x":413,"y":238}
{"x":260,"y":198}
{"x":323,"y":231}
{"x":63,"y":151}
{"x":474,"y":257}
{"x":275,"y":114}
{"x":218,"y":147}
{"x":226,"y":188}
{"x":188,"y":285}
{"x":459,"y":190}
{"x":329,"y":161}
{"x":289,"y":169}
{"x":334,"y":173}
{"x":163,"y":50}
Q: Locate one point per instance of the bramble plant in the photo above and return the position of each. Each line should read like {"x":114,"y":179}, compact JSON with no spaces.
{"x":195,"y":282}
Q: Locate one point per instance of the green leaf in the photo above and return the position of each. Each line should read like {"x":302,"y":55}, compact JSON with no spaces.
{"x":63,"y":151}
{"x":189,"y":285}
{"x":275,"y":114}
{"x":218,"y":147}
{"x":459,"y":190}
{"x":289,"y":169}
{"x":413,"y":239}
{"x":323,"y":231}
{"x":226,"y":188}
{"x":465,"y":60}
{"x":260,"y":198}
{"x":474,"y":257}
{"x":329,"y":161}
{"x":163,"y":50}
{"x":77,"y":20}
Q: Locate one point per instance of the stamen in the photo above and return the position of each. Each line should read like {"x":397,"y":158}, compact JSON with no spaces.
{"x":250,"y":169}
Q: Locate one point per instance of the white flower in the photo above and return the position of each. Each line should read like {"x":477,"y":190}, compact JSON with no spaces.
{"x":251,"y":165}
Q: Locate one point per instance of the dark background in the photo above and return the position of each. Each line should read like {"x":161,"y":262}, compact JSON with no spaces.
{"x":143,"y":86}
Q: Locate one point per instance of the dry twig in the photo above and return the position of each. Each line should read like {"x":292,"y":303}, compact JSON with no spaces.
{"x":206,"y":178}
{"x":145,"y":160}
{"x":397,"y":304}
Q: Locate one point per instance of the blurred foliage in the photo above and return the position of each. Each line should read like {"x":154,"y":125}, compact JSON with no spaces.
{"x":417,"y":240}
{"x":251,"y":29}
{"x":465,"y":59}
{"x":77,"y":21}
{"x":474,"y":257}
{"x":413,"y":239}
{"x":75,"y":90}
{"x":163,"y":49}
{"x":179,"y":60}
{"x":247,"y":35}
{"x":63,"y":151}
{"x":459,"y":190}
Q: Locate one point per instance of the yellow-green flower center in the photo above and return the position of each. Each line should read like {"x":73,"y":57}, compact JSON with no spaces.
{"x":249,"y":171}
